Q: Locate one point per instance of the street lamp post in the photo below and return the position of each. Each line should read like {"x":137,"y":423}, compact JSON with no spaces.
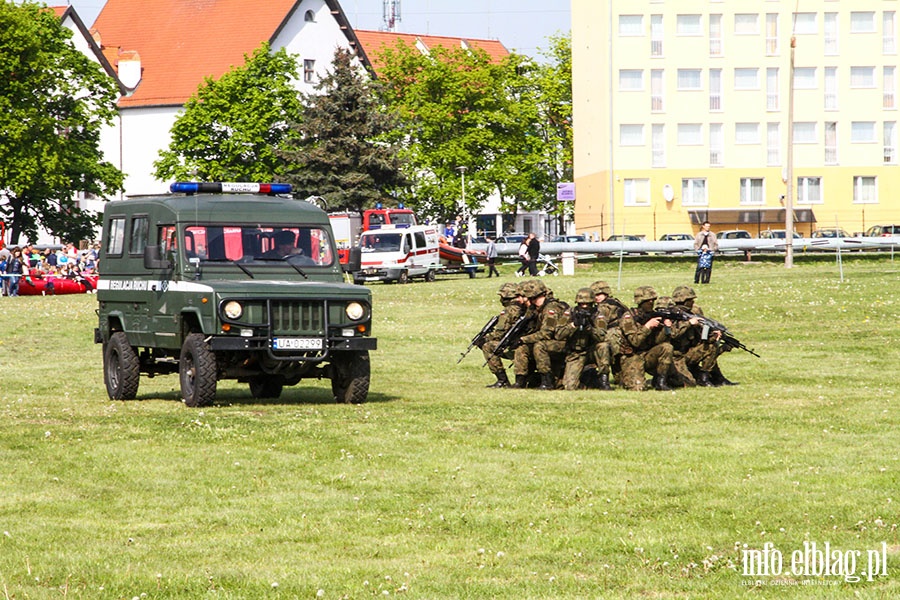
{"x":462,"y":171}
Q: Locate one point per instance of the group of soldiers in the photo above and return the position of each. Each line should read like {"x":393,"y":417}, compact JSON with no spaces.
{"x":599,"y":341}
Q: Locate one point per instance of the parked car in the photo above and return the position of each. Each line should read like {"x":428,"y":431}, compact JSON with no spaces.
{"x":569,"y":239}
{"x":676,"y":237}
{"x":512,"y":238}
{"x":830,"y":232}
{"x":734,"y":234}
{"x":883,"y":230}
{"x":776,"y":234}
{"x":624,"y":238}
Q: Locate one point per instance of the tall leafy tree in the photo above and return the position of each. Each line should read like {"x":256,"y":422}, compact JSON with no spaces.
{"x":340,"y":150}
{"x":54,"y":101}
{"x":232,"y":127}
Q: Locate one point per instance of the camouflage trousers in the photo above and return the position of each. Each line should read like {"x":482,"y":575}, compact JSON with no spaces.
{"x":495,"y":363}
{"x":603,"y":357}
{"x":655,"y":361}
{"x":575,"y":362}
{"x":702,"y":356}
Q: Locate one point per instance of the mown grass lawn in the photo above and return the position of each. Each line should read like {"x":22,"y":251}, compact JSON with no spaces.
{"x":440,"y":488}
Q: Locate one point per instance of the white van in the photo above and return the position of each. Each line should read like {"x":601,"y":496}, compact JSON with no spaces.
{"x":397,"y":253}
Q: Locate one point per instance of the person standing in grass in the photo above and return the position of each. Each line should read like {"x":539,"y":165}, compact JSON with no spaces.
{"x":492,"y":257}
{"x":706,"y":245}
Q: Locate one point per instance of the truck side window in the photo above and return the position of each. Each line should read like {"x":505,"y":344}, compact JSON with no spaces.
{"x":138,"y":240}
{"x":420,"y":239}
{"x":116,"y":240}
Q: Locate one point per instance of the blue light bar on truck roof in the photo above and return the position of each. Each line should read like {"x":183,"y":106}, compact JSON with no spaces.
{"x":193,"y":187}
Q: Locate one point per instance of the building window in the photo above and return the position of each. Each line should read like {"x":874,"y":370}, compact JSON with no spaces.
{"x":746,"y":24}
{"x":862,"y":22}
{"x":890,"y":142}
{"x":752,"y":190}
{"x":805,"y":24}
{"x":657,"y":90}
{"x":631,"y":80}
{"x":690,"y":134}
{"x":831,"y":156}
{"x":693,"y":192}
{"x":889,"y":32}
{"x":631,"y":135}
{"x":805,"y":78}
{"x":862,"y":77}
{"x":309,"y":70}
{"x":658,"y":145}
{"x":831,"y":88}
{"x":716,"y":145}
{"x":309,"y":17}
{"x":746,"y":133}
{"x":746,"y":79}
{"x":772,"y":88}
{"x":631,"y":25}
{"x":805,"y":132}
{"x":865,"y":190}
{"x":831,"y":34}
{"x":656,"y":35}
{"x":715,"y":35}
{"x":772,"y":45}
{"x":690,"y":79}
{"x":715,"y":90}
{"x":637,"y":192}
{"x":809,"y":190}
{"x":773,"y":144}
{"x":889,"y":81}
{"x":862,"y":132}
{"x":688,"y":25}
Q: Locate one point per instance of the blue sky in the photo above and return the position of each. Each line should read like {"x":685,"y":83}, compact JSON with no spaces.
{"x":522,"y":25}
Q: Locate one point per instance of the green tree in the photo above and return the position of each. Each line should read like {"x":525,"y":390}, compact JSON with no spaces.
{"x":54,"y":101}
{"x":340,"y":150}
{"x":231,"y":128}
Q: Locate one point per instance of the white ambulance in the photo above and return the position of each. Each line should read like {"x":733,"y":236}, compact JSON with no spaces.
{"x":396,"y":253}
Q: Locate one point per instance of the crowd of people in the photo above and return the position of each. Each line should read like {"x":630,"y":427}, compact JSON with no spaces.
{"x":27,"y":263}
{"x":599,"y":341}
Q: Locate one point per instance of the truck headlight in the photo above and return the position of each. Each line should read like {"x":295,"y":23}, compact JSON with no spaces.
{"x":355,"y":311}
{"x":233,"y":310}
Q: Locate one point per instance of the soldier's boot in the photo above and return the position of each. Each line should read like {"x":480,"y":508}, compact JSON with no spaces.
{"x":604,"y":381}
{"x":659,"y":383}
{"x":502,"y":380}
{"x":703,"y":379}
{"x":521,"y":382}
{"x":548,"y":382}
{"x":717,"y":378}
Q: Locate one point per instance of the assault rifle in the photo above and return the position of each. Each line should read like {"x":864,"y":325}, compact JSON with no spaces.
{"x":478,"y":340}
{"x":510,"y":337}
{"x":727,"y":340}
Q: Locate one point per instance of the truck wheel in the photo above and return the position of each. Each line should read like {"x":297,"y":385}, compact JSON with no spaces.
{"x":197,"y":371}
{"x":121,"y":368}
{"x":350,"y":376}
{"x":403,"y":277}
{"x":266,"y":387}
{"x":429,"y":276}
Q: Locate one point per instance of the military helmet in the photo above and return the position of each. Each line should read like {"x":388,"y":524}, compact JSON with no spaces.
{"x":534,"y":288}
{"x":584,"y":296}
{"x":663,"y":302}
{"x":644,"y":293}
{"x":683,"y":293}
{"x":601,"y":287}
{"x":508,"y":291}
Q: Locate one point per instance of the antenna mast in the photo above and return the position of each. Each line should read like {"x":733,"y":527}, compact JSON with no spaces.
{"x":391,"y":14}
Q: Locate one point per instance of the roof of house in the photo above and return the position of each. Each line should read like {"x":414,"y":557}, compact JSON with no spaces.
{"x":181,"y":42}
{"x":375,"y":42}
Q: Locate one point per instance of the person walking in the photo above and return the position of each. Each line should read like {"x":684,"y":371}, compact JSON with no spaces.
{"x":492,"y":257}
{"x":706,"y":245}
{"x":523,"y":256}
{"x":534,"y":252}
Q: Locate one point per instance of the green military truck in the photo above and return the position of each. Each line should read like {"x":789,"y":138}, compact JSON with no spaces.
{"x":228,"y":281}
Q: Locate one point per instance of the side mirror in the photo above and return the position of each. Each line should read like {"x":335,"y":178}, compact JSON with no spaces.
{"x":355,"y":262}
{"x":152,"y":259}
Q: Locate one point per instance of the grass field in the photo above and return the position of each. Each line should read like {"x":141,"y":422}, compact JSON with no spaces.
{"x":440,"y":488}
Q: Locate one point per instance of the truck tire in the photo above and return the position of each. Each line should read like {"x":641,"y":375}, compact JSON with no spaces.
{"x":266,"y":387}
{"x":350,"y":377}
{"x":403,"y":277}
{"x":197,"y":371}
{"x":429,"y":276}
{"x":121,"y":368}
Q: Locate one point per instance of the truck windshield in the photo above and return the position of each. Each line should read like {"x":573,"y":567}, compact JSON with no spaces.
{"x":304,"y":246}
{"x":381,"y":242}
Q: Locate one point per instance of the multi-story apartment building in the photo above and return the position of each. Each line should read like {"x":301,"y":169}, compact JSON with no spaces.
{"x":681,"y":112}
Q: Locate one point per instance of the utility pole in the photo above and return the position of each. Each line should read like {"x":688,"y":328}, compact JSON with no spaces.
{"x":391,"y":14}
{"x":789,"y":192}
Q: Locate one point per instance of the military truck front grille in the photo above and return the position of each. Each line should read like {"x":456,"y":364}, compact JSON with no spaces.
{"x":297,"y":317}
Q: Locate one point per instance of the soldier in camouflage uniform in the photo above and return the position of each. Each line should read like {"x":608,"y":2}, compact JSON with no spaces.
{"x":541,"y":340}
{"x":644,"y":346}
{"x":512,"y":302}
{"x":582,"y":328}
{"x":609,"y":311}
{"x":701,"y":351}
